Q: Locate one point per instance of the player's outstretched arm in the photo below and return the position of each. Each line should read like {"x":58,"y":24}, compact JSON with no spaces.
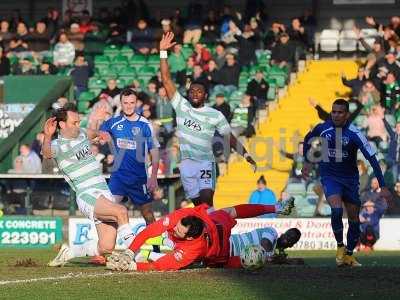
{"x":239,"y":148}
{"x":165,"y":44}
{"x":49,"y":129}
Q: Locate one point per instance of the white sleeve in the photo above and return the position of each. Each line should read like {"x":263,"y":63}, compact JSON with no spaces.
{"x":177,"y":101}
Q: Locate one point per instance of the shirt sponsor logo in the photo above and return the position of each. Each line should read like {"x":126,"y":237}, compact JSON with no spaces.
{"x":120,"y":127}
{"x":126,"y":144}
{"x":83,"y":153}
{"x":192,"y":125}
{"x":333,"y":153}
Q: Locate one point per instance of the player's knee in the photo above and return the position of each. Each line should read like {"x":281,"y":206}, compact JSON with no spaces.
{"x":121,"y":213}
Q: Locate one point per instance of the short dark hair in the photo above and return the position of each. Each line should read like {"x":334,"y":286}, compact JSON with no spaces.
{"x":200,"y":83}
{"x":262,"y":180}
{"x":61,"y":114}
{"x":342,"y":102}
{"x":195,"y":224}
{"x":128,"y":92}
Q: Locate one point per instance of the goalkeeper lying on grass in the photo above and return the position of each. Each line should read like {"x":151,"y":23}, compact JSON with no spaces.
{"x":201,"y":235}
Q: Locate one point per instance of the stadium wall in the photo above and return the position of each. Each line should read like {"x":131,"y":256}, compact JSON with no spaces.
{"x":42,"y":90}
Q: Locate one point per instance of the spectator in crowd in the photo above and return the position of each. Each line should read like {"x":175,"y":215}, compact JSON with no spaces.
{"x":186,"y":204}
{"x":164,"y":110}
{"x":298,"y":36}
{"x":370,"y":216}
{"x":40,"y":39}
{"x":5,"y":67}
{"x":283,"y":53}
{"x":387,"y":174}
{"x":272,"y":36}
{"x":210,"y":27}
{"x":47,"y":68}
{"x":64,"y":52}
{"x":263,"y":195}
{"x":258,"y":89}
{"x":364,"y":177}
{"x":391,"y":100}
{"x":390,"y":65}
{"x":228,"y":37}
{"x":160,"y":203}
{"x":222,"y":106}
{"x":220,"y":55}
{"x":394,"y":204}
{"x":80,"y":75}
{"x":201,"y":56}
{"x":30,"y":160}
{"x":199,"y":76}
{"x":85,"y":23}
{"x":212,"y":74}
{"x":75,"y":36}
{"x":53,"y":21}
{"x":142,"y":38}
{"x":355,"y":84}
{"x":5,"y":35}
{"x":247,"y":45}
{"x":243,"y":118}
{"x":24,"y":67}
{"x":37,"y":144}
{"x":393,"y":155}
{"x":193,"y":24}
{"x":94,"y":40}
{"x":177,"y":63}
{"x":369,"y":96}
{"x":228,"y":76}
{"x":375,"y":127}
{"x":18,"y":166}
{"x":116,"y":35}
{"x":19,"y":44}
{"x":376,"y":52}
{"x":373,"y":192}
{"x":296,"y":174}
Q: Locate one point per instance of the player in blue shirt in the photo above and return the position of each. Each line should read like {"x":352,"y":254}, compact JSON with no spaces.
{"x":132,"y":138}
{"x":337,"y":159}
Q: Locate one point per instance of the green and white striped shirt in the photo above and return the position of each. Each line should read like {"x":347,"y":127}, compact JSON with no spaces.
{"x":196,"y":128}
{"x":79,"y":166}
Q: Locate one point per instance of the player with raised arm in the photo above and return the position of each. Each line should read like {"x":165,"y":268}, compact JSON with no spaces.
{"x":337,"y":161}
{"x":201,"y":234}
{"x":132,"y":138}
{"x":71,"y":151}
{"x":196,"y":125}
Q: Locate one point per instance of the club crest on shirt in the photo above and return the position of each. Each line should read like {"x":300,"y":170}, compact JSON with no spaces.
{"x":135,"y":130}
{"x":120,"y":127}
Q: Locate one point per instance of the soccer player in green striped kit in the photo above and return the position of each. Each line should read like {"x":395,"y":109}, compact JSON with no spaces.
{"x":71,"y":151}
{"x":196,"y":125}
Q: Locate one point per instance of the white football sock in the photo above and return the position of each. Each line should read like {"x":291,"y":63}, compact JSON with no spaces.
{"x":126,"y":234}
{"x":87,"y":249}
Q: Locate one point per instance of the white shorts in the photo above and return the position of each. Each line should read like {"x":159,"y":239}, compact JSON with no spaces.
{"x":87,"y":200}
{"x":197,"y":175}
{"x":239,"y":241}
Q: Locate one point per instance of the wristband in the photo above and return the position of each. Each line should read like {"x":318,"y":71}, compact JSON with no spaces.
{"x":163,"y":54}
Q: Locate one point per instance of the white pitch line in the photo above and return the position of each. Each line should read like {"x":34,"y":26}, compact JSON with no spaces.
{"x":86,"y":275}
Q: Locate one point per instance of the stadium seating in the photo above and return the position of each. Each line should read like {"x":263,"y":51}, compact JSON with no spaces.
{"x":329,"y":40}
{"x":348,"y":41}
{"x":111,"y":51}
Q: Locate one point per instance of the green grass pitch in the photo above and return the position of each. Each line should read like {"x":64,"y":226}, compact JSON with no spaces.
{"x":379,"y":278}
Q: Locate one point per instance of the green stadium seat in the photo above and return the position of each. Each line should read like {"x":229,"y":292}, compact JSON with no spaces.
{"x":243,"y":81}
{"x":187,"y":50}
{"x":126,"y":51}
{"x":86,"y":97}
{"x":95,"y":85}
{"x":109,"y":73}
{"x":83,"y":107}
{"x":236,"y":96}
{"x":137,"y":61}
{"x":111,"y":51}
{"x":121,"y":83}
{"x":101,"y":62}
{"x":147,"y":71}
{"x":127,"y":73}
{"x":153,"y":60}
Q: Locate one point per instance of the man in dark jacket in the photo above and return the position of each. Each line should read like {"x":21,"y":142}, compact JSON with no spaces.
{"x":283,"y":52}
{"x":356,"y":83}
{"x":228,"y":76}
{"x":222,"y":106}
{"x":258,"y":88}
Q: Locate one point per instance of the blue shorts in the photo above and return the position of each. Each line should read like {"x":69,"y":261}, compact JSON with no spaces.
{"x":135,"y":190}
{"x":348,"y":190}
